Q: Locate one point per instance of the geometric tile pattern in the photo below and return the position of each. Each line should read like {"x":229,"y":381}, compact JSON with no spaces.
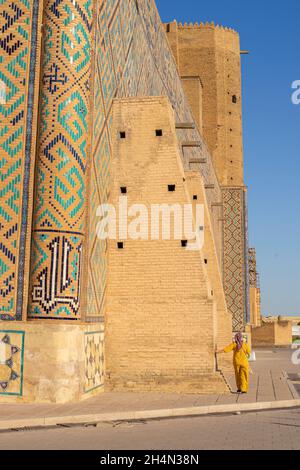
{"x":94,"y":360}
{"x":17,"y":51}
{"x":253,"y":274}
{"x":59,"y":214}
{"x":234,"y":254}
{"x":11,"y":362}
{"x":246,"y":259}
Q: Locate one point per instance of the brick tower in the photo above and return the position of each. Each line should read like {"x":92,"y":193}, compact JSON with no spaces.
{"x":208,"y":60}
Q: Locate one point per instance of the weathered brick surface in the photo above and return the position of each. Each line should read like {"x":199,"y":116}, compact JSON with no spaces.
{"x":255,"y":308}
{"x":224,"y":320}
{"x":162,"y":311}
{"x":277,"y":333}
{"x":213,"y":54}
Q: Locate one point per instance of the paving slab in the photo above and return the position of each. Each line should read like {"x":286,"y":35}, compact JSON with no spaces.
{"x":270,"y":387}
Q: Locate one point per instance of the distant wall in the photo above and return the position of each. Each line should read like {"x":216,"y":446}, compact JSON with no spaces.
{"x":272,"y":334}
{"x":164,"y":300}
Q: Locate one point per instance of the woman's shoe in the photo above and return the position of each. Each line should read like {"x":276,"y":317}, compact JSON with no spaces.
{"x":239,"y":391}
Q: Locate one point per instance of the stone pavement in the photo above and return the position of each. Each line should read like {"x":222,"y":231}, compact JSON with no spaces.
{"x":268,"y":383}
{"x":272,"y":430}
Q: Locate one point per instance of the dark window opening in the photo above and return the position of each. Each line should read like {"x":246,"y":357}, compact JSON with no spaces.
{"x":171,"y":188}
{"x":234,"y":99}
{"x":195,"y":198}
{"x":120,"y":245}
{"x":206,"y":261}
{"x":184,"y":243}
{"x":122,"y":135}
{"x":201,"y":228}
{"x":168,"y":28}
{"x":159,"y":132}
{"x":123,"y":190}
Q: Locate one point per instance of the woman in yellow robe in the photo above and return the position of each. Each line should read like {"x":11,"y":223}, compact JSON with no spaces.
{"x":241,"y":354}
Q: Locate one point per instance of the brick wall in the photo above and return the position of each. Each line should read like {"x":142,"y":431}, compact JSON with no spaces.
{"x":161,"y":322}
{"x":272,"y":334}
{"x":213,"y":54}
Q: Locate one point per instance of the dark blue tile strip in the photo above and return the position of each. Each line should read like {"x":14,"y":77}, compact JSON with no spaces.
{"x":27,"y":163}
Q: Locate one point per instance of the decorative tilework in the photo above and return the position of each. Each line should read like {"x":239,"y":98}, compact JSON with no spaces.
{"x":57,"y":289}
{"x":30,"y":146}
{"x":94,"y":360}
{"x":234,"y":266}
{"x":11,"y":362}
{"x":18,"y":54}
{"x":59,"y":216}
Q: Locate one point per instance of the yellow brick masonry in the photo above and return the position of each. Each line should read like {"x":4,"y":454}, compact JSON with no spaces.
{"x":212,"y":53}
{"x":194,"y":92}
{"x":224,"y":319}
{"x":273,"y":334}
{"x":161,"y":320}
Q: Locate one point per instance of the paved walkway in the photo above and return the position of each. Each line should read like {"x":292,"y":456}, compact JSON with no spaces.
{"x":269,"y":382}
{"x":272,"y":430}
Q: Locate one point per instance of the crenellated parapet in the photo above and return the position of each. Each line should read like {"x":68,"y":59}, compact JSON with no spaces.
{"x":209,"y":25}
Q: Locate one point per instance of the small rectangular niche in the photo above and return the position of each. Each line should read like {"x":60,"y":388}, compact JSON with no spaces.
{"x":206,"y":261}
{"x":123,"y":190}
{"x":184,"y":243}
{"x":158,"y":132}
{"x":234,"y":99}
{"x":195,"y":197}
{"x":120,"y":245}
{"x":122,"y":135}
{"x":171,"y":188}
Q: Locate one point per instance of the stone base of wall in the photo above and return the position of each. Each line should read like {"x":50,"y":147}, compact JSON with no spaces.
{"x":43,"y":362}
{"x":273,"y":334}
{"x":210,"y":383}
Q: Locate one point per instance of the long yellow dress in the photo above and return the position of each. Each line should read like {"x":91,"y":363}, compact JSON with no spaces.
{"x":241,"y":365}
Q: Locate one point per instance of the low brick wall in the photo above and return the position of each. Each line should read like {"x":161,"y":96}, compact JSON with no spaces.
{"x":272,"y":334}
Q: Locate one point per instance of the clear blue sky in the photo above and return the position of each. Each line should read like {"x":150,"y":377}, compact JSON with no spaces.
{"x":271,"y":31}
